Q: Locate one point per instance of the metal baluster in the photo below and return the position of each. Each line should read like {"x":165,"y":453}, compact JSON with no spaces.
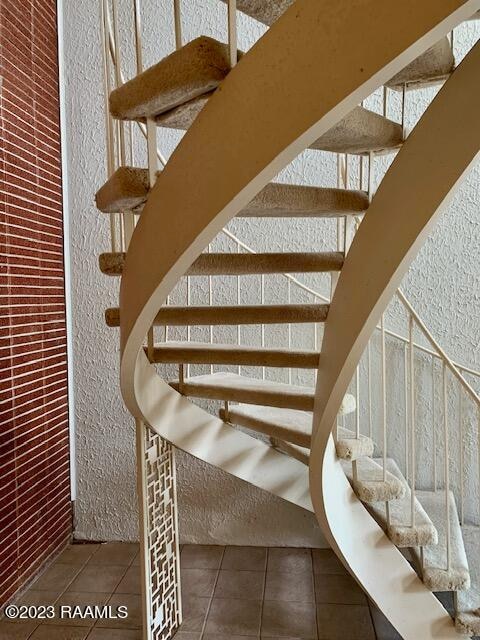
{"x":462,"y":456}
{"x":384,"y":409}
{"x":412,"y":418}
{"x":369,"y":368}
{"x":109,"y":132}
{"x":289,"y":294}
{"x":434,"y":438}
{"x":262,"y":328}
{"x":232,"y":32}
{"x":178,"y":23}
{"x":447,"y":465}
{"x":407,"y":438}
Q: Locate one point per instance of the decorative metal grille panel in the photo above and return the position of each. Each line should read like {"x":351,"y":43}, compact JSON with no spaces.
{"x":161,"y":538}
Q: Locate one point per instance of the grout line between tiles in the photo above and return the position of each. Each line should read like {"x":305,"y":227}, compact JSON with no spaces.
{"x":263,"y":592}
{"x":204,"y":625}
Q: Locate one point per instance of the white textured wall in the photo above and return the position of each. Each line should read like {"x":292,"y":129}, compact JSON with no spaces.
{"x":443,"y":283}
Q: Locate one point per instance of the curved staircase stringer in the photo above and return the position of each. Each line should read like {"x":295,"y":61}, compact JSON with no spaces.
{"x":415,"y":190}
{"x":190,"y":428}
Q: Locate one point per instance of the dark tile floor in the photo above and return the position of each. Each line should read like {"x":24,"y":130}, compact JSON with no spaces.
{"x":229,"y":593}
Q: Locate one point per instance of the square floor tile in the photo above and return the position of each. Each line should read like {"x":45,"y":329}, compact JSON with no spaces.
{"x":35,"y":598}
{"x":325,"y":561}
{"x":130,"y":583}
{"x":344,"y":622}
{"x":234,"y":617}
{"x":198,"y":582}
{"x":289,"y":560}
{"x":289,"y":587}
{"x":64,"y":609}
{"x":246,"y":585}
{"x":134,"y":607}
{"x":115,"y":553}
{"x":78,"y":553}
{"x":337,"y":589}
{"x":201,"y":556}
{"x":95,"y":580}
{"x":17,"y":630}
{"x":57,"y":577}
{"x":50,"y":632}
{"x":186,"y":636}
{"x":245,"y":558}
{"x":194,"y":612}
{"x":294,"y":619}
{"x":115,"y":634}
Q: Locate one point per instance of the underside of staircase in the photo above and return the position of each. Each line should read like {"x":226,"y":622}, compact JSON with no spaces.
{"x":273,"y":421}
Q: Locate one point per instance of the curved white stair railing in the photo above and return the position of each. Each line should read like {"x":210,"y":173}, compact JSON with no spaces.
{"x":420,"y":181}
{"x":269,"y":105}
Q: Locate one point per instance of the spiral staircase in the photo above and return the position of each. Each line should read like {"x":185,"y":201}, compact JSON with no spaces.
{"x":245,"y":123}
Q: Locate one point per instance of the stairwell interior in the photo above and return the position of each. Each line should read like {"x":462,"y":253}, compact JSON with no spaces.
{"x":225,"y":318}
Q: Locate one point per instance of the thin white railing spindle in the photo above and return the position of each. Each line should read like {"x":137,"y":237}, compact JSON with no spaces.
{"x":369,"y":390}
{"x":446,"y":453}
{"x":384,"y":407}
{"x":411,"y":327}
{"x":177,"y":15}
{"x":262,"y":328}
{"x":357,"y":400}
{"x":407,"y":422}
{"x":137,"y":18}
{"x":109,"y":133}
{"x":434,"y":427}
{"x":289,"y":330}
{"x":461,"y":455}
{"x":232,"y":32}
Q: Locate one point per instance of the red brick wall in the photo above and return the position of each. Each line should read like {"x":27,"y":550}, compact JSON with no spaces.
{"x":35,"y":508}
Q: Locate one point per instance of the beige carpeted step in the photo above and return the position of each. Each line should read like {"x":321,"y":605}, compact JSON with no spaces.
{"x":207,"y":353}
{"x":232,"y":315}
{"x":288,"y":425}
{"x":434,"y":66}
{"x":360,"y":132}
{"x":468,"y":601}
{"x":370,"y":485}
{"x":126,"y":190}
{"x":195,"y":69}
{"x":400,"y":530}
{"x":349,"y":447}
{"x":236,"y":388}
{"x":435,"y":574}
{"x":278,"y":200}
{"x":232,"y":264}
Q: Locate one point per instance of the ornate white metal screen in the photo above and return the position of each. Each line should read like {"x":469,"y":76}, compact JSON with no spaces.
{"x":159,"y":535}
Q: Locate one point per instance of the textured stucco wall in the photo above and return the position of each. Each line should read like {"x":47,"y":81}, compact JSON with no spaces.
{"x":443,"y":283}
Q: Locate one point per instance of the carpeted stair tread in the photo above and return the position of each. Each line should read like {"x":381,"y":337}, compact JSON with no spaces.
{"x":433,"y":66}
{"x":400,"y":531}
{"x":278,"y":200}
{"x":237,"y":388}
{"x":232,"y":315}
{"x":361,"y":131}
{"x":370,"y":485}
{"x":126,"y":190}
{"x":208,"y":353}
{"x":349,"y":447}
{"x":289,"y":425}
{"x":230,"y":264}
{"x":435,"y":574}
{"x":468,"y":601}
{"x":195,"y":69}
